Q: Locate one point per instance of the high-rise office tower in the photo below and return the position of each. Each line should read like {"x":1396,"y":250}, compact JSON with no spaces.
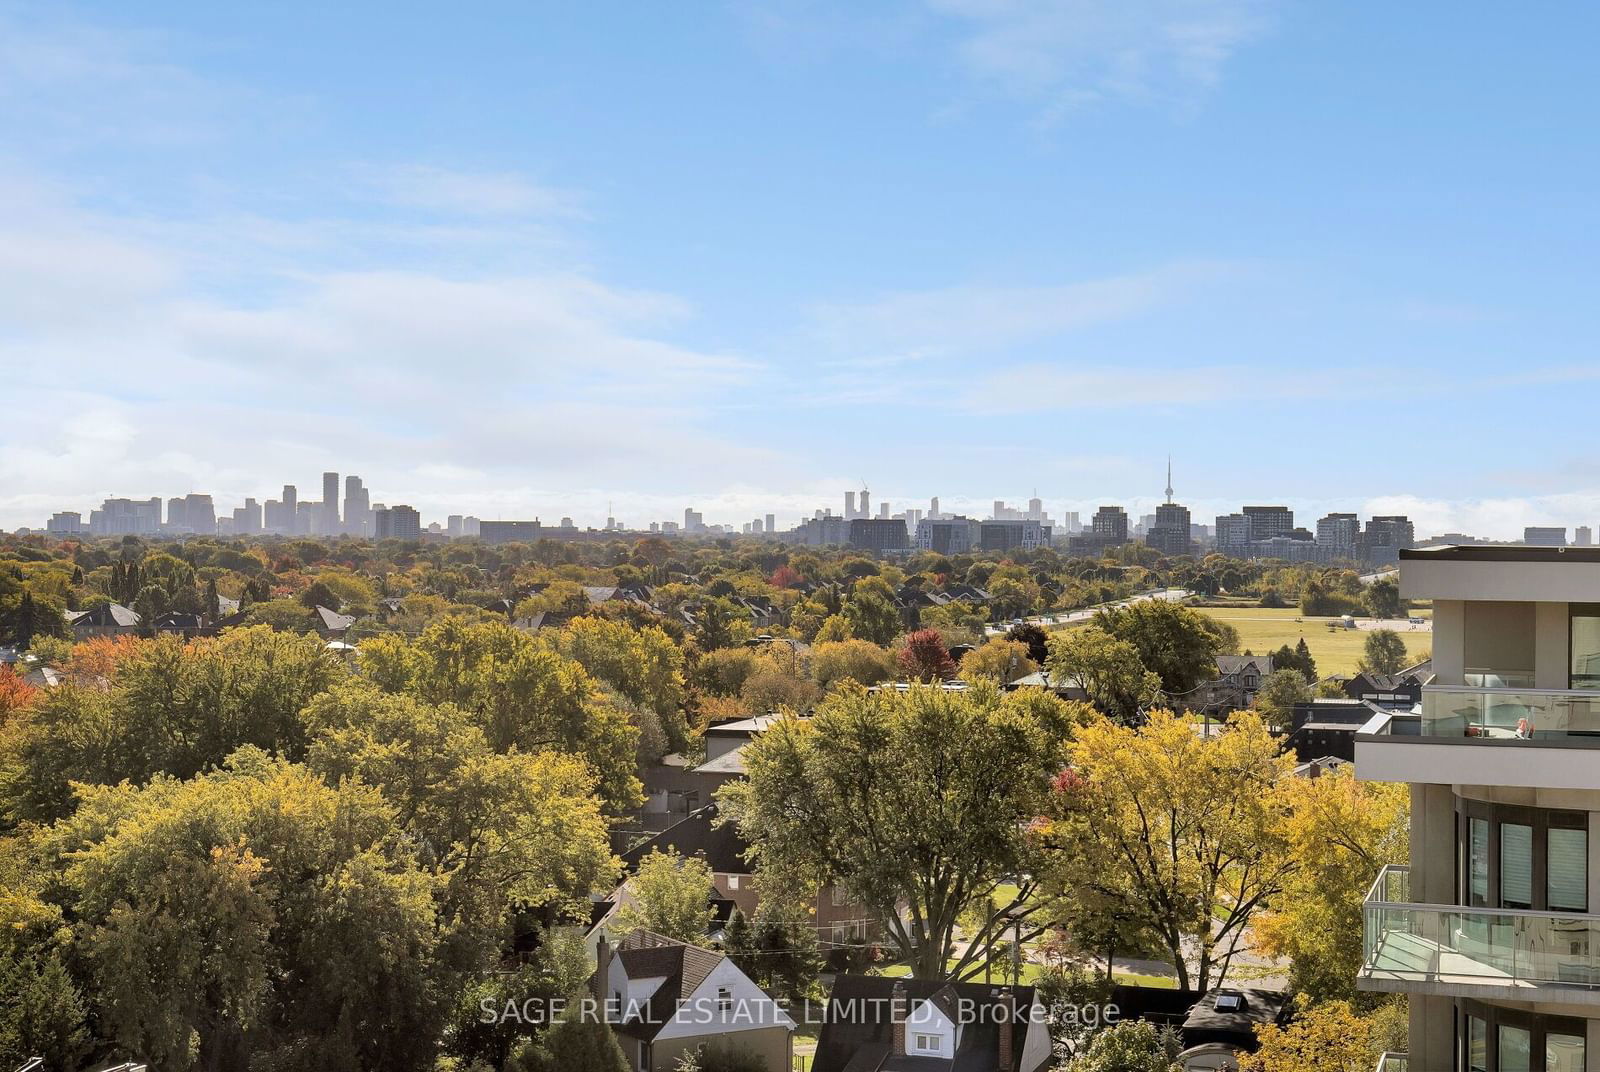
{"x":849,"y":505}
{"x":357,"y":508}
{"x":866,"y":503}
{"x":330,"y":503}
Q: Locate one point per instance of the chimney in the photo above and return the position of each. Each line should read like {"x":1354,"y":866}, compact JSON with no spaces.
{"x":1008,"y":1019}
{"x":897,"y":1016}
{"x":602,"y":968}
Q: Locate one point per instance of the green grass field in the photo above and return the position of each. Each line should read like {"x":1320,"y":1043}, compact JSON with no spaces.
{"x":1263,"y":630}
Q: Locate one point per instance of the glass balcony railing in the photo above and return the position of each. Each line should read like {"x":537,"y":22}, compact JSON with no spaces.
{"x":1509,"y":714}
{"x":1453,"y":945}
{"x":1392,"y":1062}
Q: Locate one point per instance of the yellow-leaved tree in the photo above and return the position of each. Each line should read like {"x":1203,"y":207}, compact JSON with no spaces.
{"x":1180,"y":837}
{"x":1340,"y":832}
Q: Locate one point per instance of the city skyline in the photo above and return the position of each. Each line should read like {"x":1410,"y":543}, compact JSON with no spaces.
{"x":955,"y":246}
{"x":1168,"y":510}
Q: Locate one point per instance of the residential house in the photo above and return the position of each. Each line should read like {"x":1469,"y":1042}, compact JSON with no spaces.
{"x":664,"y":999}
{"x":1491,"y":931}
{"x":1239,"y":678}
{"x":179,"y":623}
{"x":331,"y":624}
{"x":1327,"y":727}
{"x":839,"y":920}
{"x":874,"y":1023}
{"x":1401,"y":691}
{"x":108,"y":619}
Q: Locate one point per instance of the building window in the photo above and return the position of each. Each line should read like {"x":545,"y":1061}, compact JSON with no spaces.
{"x":840,"y":898}
{"x":724,"y":1000}
{"x":1583,"y":641}
{"x":926,"y":1043}
{"x":1523,"y":858}
{"x":1498,"y":1039}
{"x":733,"y":882}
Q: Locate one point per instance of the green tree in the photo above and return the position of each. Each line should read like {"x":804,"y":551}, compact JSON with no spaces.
{"x":576,"y":1044}
{"x":669,"y":894}
{"x":1108,"y":669}
{"x":1131,"y":1046}
{"x":207,"y":881}
{"x":1383,"y":652}
{"x":861,"y":661}
{"x":871,"y":614}
{"x":1383,"y":599}
{"x":1000,"y":660}
{"x":1180,"y":645}
{"x":501,"y":830}
{"x":1278,"y":695}
{"x":918,"y":801}
{"x":171,"y":708}
{"x":643,"y":665}
{"x":520,"y":694}
{"x":721,"y":1055}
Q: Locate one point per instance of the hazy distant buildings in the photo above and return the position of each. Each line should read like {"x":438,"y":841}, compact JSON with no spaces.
{"x":191,"y":514}
{"x":505,"y":531}
{"x":1544,"y":536}
{"x":124,"y":517}
{"x":826,"y":530}
{"x":279,"y":514}
{"x":948,"y":535}
{"x":357,"y":508}
{"x":330,"y":504}
{"x":246,"y":519}
{"x":66,"y":523}
{"x":1013,"y":534}
{"x":397,"y":523}
{"x":878,"y":534}
{"x":1583,"y":536}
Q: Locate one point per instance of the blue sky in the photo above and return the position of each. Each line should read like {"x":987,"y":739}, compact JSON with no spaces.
{"x":517,"y":259}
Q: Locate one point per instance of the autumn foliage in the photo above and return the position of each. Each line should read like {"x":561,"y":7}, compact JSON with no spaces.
{"x":925,"y":658}
{"x":15,"y":693}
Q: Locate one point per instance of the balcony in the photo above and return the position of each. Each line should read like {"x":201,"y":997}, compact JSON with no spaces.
{"x":1507,"y":737}
{"x":1476,"y":952}
{"x":1510,"y":714}
{"x":1391,"y":1062}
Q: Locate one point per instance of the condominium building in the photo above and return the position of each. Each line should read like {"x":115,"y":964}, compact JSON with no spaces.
{"x":1492,"y":930}
{"x":1018,"y":534}
{"x":1169,"y":531}
{"x":949,"y":535}
{"x":879,"y":534}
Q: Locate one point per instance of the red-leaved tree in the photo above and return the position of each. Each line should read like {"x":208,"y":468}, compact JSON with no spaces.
{"x":925,"y":658}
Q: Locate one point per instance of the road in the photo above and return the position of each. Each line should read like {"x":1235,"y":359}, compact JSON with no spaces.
{"x":1076,"y":617}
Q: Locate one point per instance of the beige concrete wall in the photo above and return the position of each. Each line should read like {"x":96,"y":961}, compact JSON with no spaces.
{"x":1501,"y":636}
{"x":772,"y":1044}
{"x":1555,"y":582}
{"x":1449,"y":653}
{"x":1433,"y":853}
{"x":1433,"y":1032}
{"x":1551,"y":658}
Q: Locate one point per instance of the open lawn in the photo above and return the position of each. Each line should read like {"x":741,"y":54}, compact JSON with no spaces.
{"x":1263,"y":630}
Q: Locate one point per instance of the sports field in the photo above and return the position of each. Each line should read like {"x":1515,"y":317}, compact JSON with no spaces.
{"x":1336,"y":650}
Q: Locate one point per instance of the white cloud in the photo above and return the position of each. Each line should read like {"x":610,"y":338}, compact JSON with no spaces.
{"x":972,"y":318}
{"x":469,"y":193}
{"x":1067,"y":52}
